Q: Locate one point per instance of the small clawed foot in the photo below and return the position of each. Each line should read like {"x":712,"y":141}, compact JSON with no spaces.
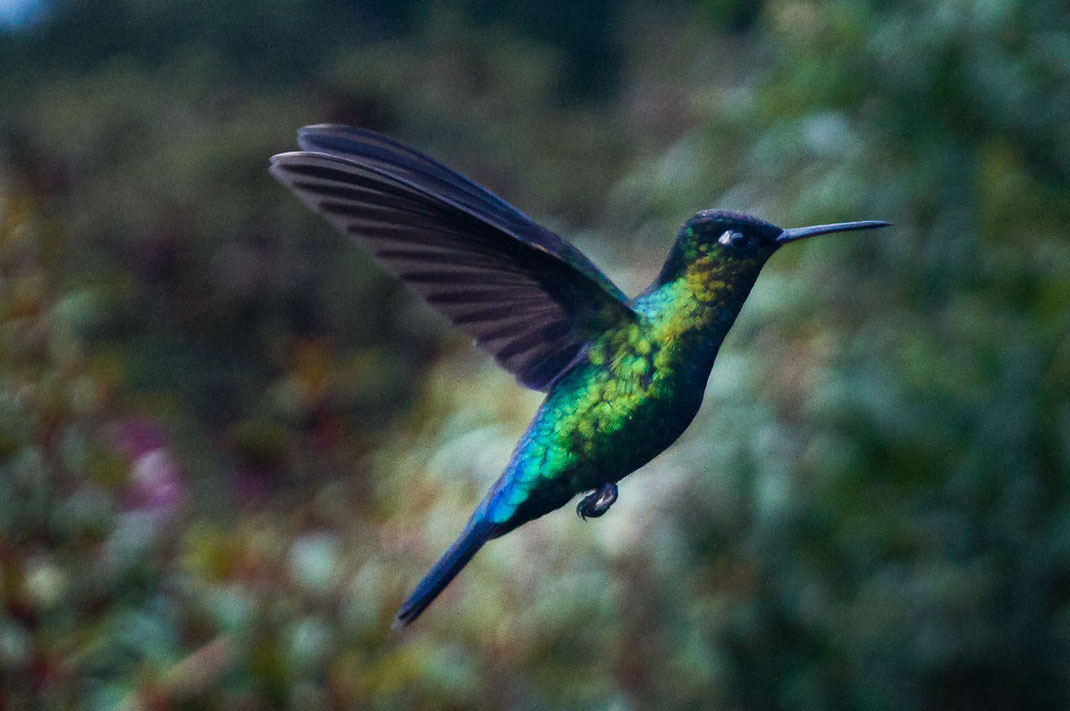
{"x":597,"y":502}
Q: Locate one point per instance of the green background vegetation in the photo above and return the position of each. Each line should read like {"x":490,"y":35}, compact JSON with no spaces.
{"x":229,"y":444}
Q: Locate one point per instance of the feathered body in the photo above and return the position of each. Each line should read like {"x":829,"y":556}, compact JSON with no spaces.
{"x":630,"y":395}
{"x":623,"y":379}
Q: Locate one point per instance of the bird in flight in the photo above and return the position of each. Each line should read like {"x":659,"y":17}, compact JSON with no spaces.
{"x":623,"y":377}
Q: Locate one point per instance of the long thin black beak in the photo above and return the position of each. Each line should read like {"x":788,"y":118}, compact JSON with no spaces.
{"x":797,"y":233}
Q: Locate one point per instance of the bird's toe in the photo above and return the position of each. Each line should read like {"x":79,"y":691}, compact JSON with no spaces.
{"x":597,"y":502}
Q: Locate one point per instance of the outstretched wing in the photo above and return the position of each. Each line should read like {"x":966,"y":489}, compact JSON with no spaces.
{"x":526,"y":296}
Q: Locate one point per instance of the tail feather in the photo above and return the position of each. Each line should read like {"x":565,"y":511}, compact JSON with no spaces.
{"x":475,"y":534}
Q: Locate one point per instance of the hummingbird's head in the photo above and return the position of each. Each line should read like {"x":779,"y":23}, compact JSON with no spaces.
{"x":736,"y":236}
{"x":724,"y":236}
{"x":733,"y":247}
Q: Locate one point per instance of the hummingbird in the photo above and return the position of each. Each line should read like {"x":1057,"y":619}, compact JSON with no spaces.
{"x":623,"y":377}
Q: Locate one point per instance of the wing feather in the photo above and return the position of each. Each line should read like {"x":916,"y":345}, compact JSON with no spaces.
{"x":523,"y":293}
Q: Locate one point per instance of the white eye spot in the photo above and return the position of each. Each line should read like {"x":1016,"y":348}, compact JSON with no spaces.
{"x":734,"y":239}
{"x":740,"y":240}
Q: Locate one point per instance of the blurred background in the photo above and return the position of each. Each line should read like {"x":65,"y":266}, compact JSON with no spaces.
{"x":229,"y":444}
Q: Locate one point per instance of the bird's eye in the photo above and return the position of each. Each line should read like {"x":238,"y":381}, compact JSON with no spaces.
{"x":735,"y":240}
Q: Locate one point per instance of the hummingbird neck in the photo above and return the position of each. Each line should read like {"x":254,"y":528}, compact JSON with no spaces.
{"x":696,"y":299}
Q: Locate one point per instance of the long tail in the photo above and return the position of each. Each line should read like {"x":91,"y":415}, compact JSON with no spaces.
{"x":475,"y":534}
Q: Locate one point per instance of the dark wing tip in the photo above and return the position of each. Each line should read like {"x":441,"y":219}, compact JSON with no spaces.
{"x":316,"y":129}
{"x":279,"y":161}
{"x":320,"y":127}
{"x":280,"y":164}
{"x":290,"y":156}
{"x":277,"y":165}
{"x":279,"y":158}
{"x":283,"y":165}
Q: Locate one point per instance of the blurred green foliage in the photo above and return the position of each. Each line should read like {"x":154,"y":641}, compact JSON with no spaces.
{"x":229,"y":444}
